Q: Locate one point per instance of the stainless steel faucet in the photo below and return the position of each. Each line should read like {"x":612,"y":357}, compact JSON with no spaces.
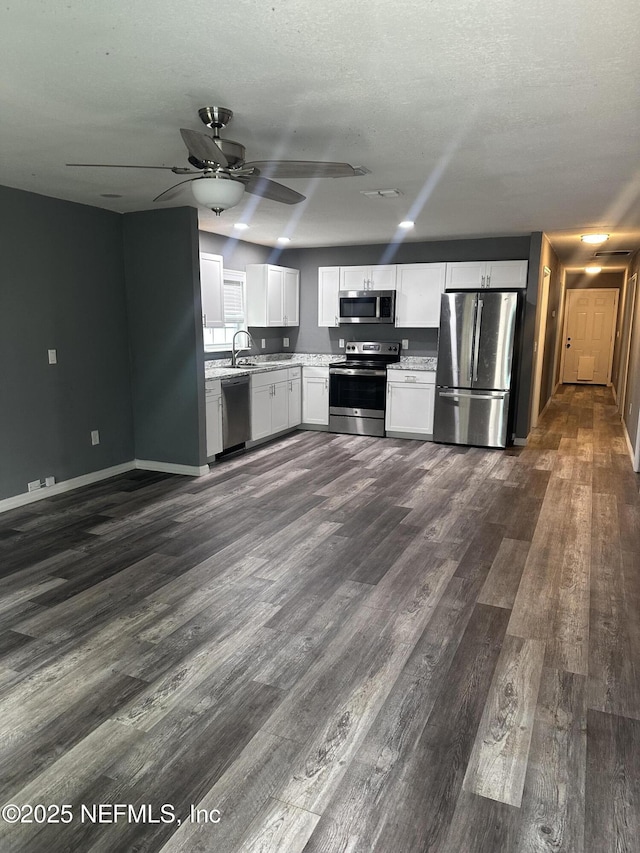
{"x":234,"y":352}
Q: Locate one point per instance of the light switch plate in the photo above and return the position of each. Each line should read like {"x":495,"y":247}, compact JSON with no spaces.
{"x":405,"y":343}
{"x":285,"y":342}
{"x":95,"y":436}
{"x":53,"y":356}
{"x":341,"y":343}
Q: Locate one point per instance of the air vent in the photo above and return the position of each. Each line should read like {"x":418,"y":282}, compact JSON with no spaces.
{"x":381,"y":193}
{"x":361,"y":170}
{"x":621,"y":253}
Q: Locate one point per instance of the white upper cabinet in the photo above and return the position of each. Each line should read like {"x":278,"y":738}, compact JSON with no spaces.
{"x":211,"y":285}
{"x":418,"y":291}
{"x":381,"y":277}
{"x":475,"y":275}
{"x":273,"y":295}
{"x":328,"y":289}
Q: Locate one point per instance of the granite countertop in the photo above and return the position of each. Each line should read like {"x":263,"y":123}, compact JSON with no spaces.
{"x":221,"y":368}
{"x":415,"y":362}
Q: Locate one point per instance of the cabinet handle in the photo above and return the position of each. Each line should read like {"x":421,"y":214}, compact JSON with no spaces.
{"x":337,"y":322}
{"x":326,"y":384}
{"x":482,"y":282}
{"x":489,"y":280}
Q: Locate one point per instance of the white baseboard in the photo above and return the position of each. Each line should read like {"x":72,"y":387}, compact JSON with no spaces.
{"x":520,"y":442}
{"x":65,"y":486}
{"x":95,"y":477}
{"x":630,"y":448}
{"x":171,"y":468}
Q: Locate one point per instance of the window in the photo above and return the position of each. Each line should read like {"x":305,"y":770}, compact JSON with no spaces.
{"x":220,"y":339}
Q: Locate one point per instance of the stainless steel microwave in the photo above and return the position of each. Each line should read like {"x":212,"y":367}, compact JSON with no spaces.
{"x":367,"y":306}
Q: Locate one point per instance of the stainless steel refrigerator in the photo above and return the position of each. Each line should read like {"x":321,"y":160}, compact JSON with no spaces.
{"x":473,"y":376}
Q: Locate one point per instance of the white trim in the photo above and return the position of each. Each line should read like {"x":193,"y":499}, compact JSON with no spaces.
{"x":415,"y":436}
{"x":95,"y":477}
{"x":628,"y":440}
{"x":171,"y":468}
{"x":541,"y":331}
{"x":65,"y":486}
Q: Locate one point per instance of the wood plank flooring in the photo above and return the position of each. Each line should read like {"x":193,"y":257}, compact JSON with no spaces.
{"x":333,"y":644}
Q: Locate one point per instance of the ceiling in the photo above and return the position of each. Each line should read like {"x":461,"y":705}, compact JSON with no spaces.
{"x":490,"y":117}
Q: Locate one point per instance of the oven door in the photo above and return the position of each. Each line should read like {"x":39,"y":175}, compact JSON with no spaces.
{"x":357,"y":390}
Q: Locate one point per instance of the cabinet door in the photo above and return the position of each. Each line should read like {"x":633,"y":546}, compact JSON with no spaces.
{"x":328,"y":288}
{"x":291,"y":297}
{"x":211,"y":287}
{"x":418,"y":291}
{"x":214,"y":424}
{"x":295,"y":402}
{"x":383,"y":277}
{"x":280,"y":406}
{"x":261,"y":412}
{"x":315,"y":400}
{"x":354,"y":278}
{"x":507,"y":274}
{"x":275,"y":296}
{"x":410,"y":407}
{"x":466,"y":276}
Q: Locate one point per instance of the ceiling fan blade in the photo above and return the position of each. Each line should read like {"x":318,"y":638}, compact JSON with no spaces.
{"x":177,"y":170}
{"x":302,"y":169}
{"x":202,"y":148}
{"x":173,"y":191}
{"x":263,"y":187}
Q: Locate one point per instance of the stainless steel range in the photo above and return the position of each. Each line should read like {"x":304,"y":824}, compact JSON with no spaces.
{"x":358,"y":388}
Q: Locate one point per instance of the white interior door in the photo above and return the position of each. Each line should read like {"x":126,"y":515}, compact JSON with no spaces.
{"x":590,"y":322}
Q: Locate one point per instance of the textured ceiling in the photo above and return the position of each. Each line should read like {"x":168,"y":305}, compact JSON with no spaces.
{"x":490,"y":117}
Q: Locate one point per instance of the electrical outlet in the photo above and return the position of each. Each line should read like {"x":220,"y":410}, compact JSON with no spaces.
{"x":95,"y":436}
{"x":263,"y":343}
{"x":50,"y":481}
{"x":53,"y":356}
{"x":341,"y":343}
{"x":285,"y":342}
{"x":33,"y":486}
{"x":405,"y":343}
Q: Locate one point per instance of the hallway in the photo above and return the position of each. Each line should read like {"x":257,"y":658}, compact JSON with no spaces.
{"x":345,"y":644}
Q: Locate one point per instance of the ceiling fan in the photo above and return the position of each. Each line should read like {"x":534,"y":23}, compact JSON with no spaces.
{"x":223,"y":175}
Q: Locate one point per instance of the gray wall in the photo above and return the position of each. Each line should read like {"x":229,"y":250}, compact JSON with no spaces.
{"x":62,"y":287}
{"x":524,"y":369}
{"x":550,"y":260}
{"x":165,"y":327}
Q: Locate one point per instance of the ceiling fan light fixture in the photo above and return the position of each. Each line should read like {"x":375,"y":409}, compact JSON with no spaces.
{"x":592,"y":269}
{"x":217,"y":192}
{"x":594,"y":239}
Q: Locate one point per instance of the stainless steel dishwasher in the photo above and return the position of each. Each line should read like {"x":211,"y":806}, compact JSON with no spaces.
{"x":236,"y":419}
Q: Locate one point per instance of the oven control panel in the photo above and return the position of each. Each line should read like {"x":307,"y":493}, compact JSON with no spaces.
{"x":372,"y":348}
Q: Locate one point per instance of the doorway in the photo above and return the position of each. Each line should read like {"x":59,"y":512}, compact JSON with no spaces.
{"x":589,"y":335}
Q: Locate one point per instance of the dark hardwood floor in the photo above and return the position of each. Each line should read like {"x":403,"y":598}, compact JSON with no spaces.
{"x":342,"y":644}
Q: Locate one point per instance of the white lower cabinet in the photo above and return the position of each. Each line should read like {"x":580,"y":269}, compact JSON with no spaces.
{"x":410,"y":403}
{"x":315,"y":396}
{"x":213,"y":400}
{"x":275,"y":401}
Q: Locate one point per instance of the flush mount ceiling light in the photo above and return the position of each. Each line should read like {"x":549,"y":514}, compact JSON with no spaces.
{"x":284,"y":240}
{"x":592,"y":269}
{"x":406,"y":224}
{"x":595,"y":239}
{"x":217,"y":191}
{"x":240,"y":226}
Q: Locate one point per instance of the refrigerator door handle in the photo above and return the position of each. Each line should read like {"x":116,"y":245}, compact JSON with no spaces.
{"x":476,"y":340}
{"x":473,"y":339}
{"x":456,"y":395}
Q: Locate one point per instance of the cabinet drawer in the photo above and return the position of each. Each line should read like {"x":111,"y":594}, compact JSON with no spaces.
{"x":407,"y":377}
{"x":269,"y":377}
{"x":212,"y":387}
{"x":294,"y":373}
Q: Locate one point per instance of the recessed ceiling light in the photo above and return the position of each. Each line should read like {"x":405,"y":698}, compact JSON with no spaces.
{"x":594,"y":238}
{"x":284,"y":240}
{"x":240,"y":226}
{"x":406,"y":224}
{"x":592,"y":269}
